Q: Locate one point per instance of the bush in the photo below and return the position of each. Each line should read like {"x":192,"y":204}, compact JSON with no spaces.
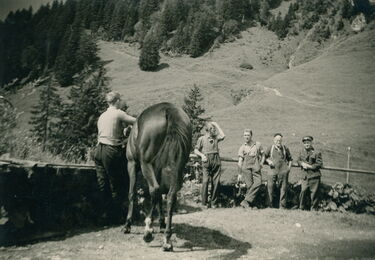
{"x":246,"y":65}
{"x":149,"y":58}
{"x":239,"y":95}
{"x":230,"y":28}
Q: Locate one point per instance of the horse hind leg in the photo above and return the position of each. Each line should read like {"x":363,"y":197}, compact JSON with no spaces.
{"x":132,"y":179}
{"x":171,"y":202}
{"x":162,"y":224}
{"x":149,"y":174}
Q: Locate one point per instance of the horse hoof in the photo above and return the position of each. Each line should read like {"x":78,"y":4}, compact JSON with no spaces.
{"x":126,"y":230}
{"x":148,"y":237}
{"x":167,"y":247}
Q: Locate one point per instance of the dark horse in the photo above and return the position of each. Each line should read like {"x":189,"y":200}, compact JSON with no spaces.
{"x":160,"y":143}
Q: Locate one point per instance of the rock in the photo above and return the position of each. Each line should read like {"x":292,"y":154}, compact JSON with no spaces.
{"x":359,"y":23}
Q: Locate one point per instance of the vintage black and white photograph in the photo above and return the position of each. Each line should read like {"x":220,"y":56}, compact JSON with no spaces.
{"x":187,"y":129}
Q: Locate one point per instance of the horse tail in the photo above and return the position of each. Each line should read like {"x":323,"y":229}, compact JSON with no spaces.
{"x":174,"y":150}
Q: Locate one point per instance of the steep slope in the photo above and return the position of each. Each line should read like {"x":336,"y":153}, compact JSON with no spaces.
{"x":216,"y":73}
{"x":331,"y":98}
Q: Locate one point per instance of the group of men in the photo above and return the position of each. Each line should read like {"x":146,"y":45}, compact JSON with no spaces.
{"x":251,"y":158}
{"x":111,"y":163}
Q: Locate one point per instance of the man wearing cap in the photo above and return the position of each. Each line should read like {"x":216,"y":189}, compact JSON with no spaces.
{"x":207,"y":148}
{"x":279,"y":159}
{"x":250,"y":161}
{"x":110,"y":160}
{"x":310,"y":161}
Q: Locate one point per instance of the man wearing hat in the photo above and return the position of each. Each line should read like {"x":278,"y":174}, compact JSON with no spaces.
{"x":279,"y":159}
{"x":310,"y":161}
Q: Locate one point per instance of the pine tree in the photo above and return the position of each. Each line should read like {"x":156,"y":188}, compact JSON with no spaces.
{"x":264,"y":12}
{"x":8,"y":121}
{"x":66,"y":63}
{"x":204,"y":33}
{"x":45,"y":113}
{"x":77,"y":129}
{"x":193,"y":108}
{"x":86,"y":55}
{"x":149,"y":57}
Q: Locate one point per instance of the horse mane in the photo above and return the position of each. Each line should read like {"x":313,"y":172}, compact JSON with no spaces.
{"x":177,"y":142}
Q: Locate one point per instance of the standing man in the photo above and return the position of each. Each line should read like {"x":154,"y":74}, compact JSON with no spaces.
{"x":310,"y":161}
{"x":250,"y":161}
{"x":279,"y":159}
{"x":208,"y":149}
{"x":110,"y":160}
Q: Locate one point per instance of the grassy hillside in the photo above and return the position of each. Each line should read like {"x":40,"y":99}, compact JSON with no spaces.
{"x":330,"y":97}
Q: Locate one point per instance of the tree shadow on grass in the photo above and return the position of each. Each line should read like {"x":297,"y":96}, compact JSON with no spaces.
{"x":208,"y":239}
{"x":162,"y":66}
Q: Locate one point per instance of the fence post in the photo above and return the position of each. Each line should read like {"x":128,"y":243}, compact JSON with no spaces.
{"x":348,"y":166}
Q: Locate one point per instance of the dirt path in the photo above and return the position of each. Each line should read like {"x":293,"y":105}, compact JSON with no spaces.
{"x":222,"y":234}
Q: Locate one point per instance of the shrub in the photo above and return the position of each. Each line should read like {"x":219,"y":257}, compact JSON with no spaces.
{"x":246,"y":65}
{"x":239,"y":95}
{"x":149,"y":58}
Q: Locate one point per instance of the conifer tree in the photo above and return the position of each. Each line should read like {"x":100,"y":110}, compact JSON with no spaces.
{"x":193,"y":108}
{"x":204,"y":33}
{"x":66,"y":63}
{"x":149,"y":57}
{"x":264,"y":12}
{"x":8,"y":121}
{"x":45,"y":113}
{"x":77,"y":129}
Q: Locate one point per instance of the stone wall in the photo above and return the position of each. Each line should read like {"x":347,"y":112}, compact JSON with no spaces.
{"x":35,"y":198}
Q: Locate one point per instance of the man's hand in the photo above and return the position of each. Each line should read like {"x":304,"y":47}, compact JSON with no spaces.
{"x":305,"y":165}
{"x":204,"y":158}
{"x":270,"y":163}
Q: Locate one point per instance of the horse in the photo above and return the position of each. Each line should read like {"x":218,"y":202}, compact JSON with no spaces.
{"x":159,"y":143}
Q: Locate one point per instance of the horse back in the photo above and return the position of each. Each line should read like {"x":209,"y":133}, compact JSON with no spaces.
{"x":161,"y":136}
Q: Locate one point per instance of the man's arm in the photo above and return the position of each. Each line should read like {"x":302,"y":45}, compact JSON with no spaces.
{"x":288,"y":157}
{"x":302,"y":163}
{"x":318,"y":162}
{"x":127,"y":118}
{"x":261,"y":152}
{"x":198,"y":148}
{"x":221,"y":135}
{"x":267,"y":156}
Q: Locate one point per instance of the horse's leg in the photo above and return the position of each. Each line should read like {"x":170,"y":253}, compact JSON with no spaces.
{"x":162,"y":224}
{"x":132,"y":180}
{"x":171,"y":201}
{"x":149,"y":174}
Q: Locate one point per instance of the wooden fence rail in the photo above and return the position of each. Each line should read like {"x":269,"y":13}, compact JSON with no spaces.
{"x":330,"y":168}
{"x":223,"y":158}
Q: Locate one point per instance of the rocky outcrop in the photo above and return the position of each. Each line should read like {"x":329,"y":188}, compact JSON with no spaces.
{"x":359,"y":23}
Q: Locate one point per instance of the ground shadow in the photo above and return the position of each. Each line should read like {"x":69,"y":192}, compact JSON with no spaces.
{"x":162,"y":66}
{"x":209,"y":239}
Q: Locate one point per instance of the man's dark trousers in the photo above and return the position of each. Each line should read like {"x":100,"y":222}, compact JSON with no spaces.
{"x":253,"y":182}
{"x":282,"y":179}
{"x":112,"y":177}
{"x":211,"y":174}
{"x":313,"y":185}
